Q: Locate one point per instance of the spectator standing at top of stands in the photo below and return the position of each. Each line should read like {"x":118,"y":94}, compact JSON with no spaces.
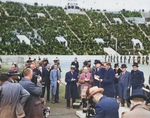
{"x":29,"y":61}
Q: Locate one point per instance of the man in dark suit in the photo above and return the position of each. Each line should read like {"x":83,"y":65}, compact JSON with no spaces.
{"x":107,"y":81}
{"x":105,"y":107}
{"x":45,"y":81}
{"x":137,"y":79}
{"x":71,"y":86}
{"x":117,"y":71}
{"x":76,"y":64}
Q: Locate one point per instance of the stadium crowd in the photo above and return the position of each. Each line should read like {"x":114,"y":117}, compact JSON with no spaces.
{"x":24,"y":97}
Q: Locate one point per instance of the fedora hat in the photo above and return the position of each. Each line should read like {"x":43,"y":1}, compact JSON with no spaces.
{"x":137,"y":95}
{"x":116,"y":65}
{"x":98,"y":62}
{"x":13,"y":72}
{"x":135,"y":64}
{"x":123,"y":66}
{"x":94,"y":90}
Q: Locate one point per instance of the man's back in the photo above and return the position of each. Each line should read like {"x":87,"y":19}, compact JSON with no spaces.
{"x":138,"y":111}
{"x":107,"y":108}
{"x":12,"y":95}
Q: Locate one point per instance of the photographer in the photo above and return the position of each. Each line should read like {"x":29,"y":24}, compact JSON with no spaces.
{"x":105,"y":107}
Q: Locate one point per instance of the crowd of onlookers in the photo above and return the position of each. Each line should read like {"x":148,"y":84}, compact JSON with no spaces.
{"x":24,"y":97}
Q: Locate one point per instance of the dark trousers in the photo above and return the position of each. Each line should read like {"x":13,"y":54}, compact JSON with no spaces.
{"x":123,"y":102}
{"x":57,"y":94}
{"x":46,"y":85}
{"x":68,"y":102}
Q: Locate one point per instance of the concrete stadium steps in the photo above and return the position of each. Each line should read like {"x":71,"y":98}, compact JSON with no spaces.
{"x":111,"y":51}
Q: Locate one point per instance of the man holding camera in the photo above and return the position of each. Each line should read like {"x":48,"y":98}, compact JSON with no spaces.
{"x":105,"y":107}
{"x":33,"y":108}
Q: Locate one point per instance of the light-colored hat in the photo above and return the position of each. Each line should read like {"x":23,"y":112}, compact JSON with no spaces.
{"x":72,"y":67}
{"x":94,"y":90}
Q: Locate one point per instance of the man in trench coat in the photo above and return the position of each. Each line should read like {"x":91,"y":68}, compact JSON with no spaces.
{"x":12,"y":98}
{"x":71,"y":87}
{"x":124,"y":85}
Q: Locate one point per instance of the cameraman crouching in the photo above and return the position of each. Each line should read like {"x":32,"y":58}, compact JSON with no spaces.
{"x":105,"y":107}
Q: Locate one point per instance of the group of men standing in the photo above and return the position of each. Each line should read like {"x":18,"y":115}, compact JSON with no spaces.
{"x":115,"y":83}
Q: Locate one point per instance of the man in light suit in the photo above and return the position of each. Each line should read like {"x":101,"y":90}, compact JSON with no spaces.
{"x":12,"y":98}
{"x":139,"y":107}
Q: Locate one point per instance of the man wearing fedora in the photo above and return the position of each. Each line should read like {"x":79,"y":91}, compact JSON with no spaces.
{"x":99,"y":73}
{"x":105,"y":107}
{"x":137,"y":79}
{"x":71,"y":86}
{"x":124,"y":85}
{"x":13,"y":75}
{"x":139,"y":108}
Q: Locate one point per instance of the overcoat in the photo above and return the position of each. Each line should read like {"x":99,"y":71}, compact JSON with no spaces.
{"x":107,"y":108}
{"x":32,"y":109}
{"x":45,"y":76}
{"x":124,"y":83}
{"x":71,"y":86}
{"x":99,"y":72}
{"x":12,"y":101}
{"x":137,"y":81}
{"x":108,"y":83}
{"x":137,"y":111}
{"x":54,"y":76}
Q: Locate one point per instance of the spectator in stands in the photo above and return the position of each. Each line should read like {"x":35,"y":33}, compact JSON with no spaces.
{"x":71,"y":87}
{"x":33,"y":108}
{"x":76,"y":64}
{"x":117,"y":71}
{"x":55,"y":81}
{"x":105,"y":107}
{"x":137,"y":79}
{"x":139,"y":107}
{"x":12,"y":98}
